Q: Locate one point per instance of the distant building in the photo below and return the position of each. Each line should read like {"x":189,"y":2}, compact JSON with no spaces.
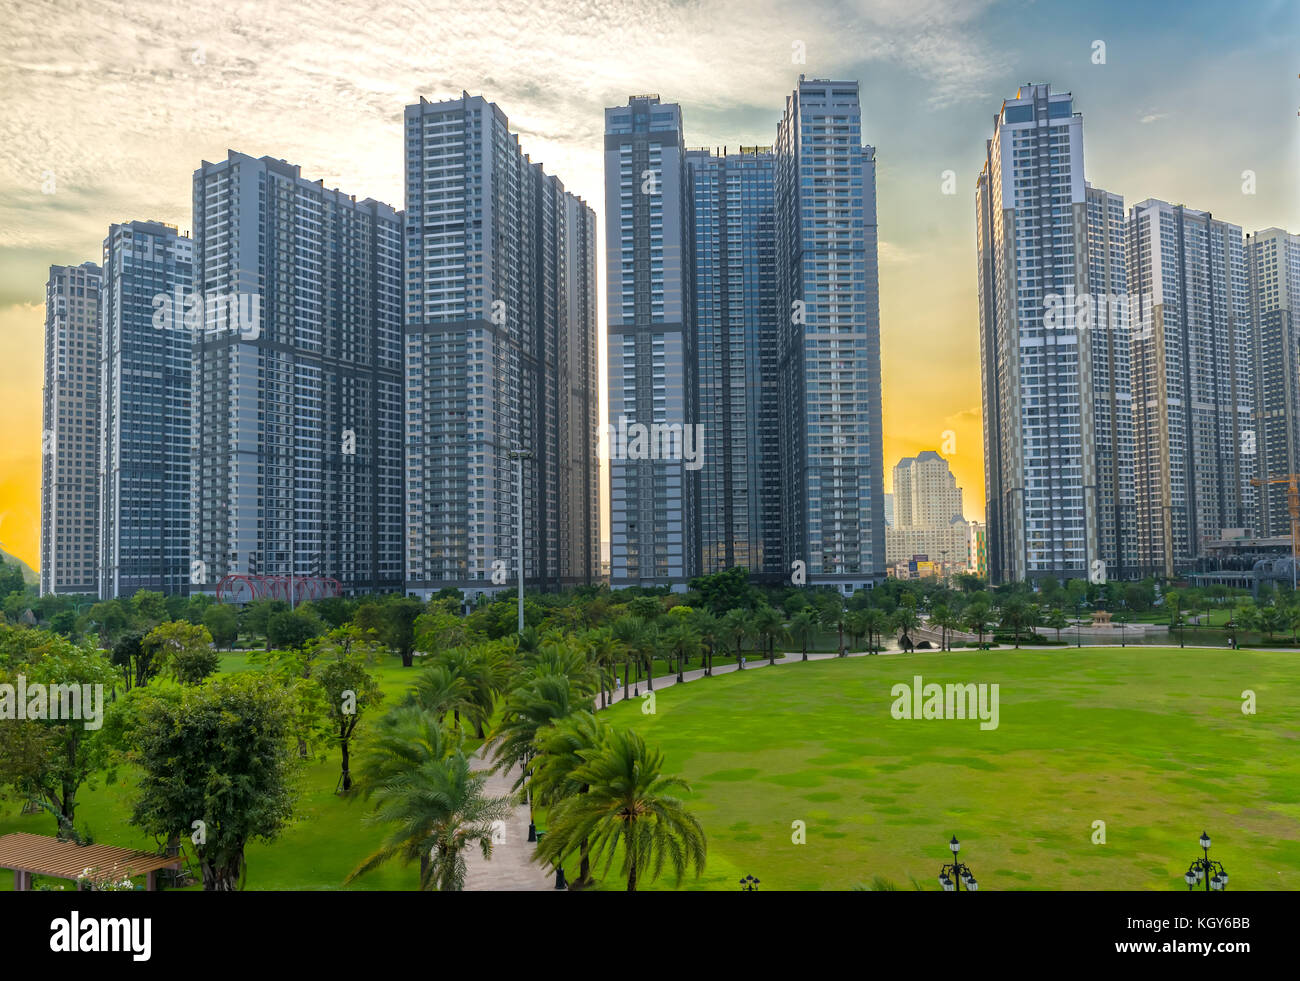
{"x":1273,"y":259}
{"x":927,"y":513}
{"x":500,"y":343}
{"x":889,"y":510}
{"x":297,"y":449}
{"x":145,"y":424}
{"x":70,"y":413}
{"x":1193,"y":383}
{"x":977,"y":561}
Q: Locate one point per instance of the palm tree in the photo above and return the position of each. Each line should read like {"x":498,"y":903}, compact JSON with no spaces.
{"x":976,"y":617}
{"x":602,"y":648}
{"x":906,"y":620}
{"x":632,"y":634}
{"x":683,"y":643}
{"x":438,"y":690}
{"x":539,"y":700}
{"x":803,"y":628}
{"x":877,"y":622}
{"x":627,"y":804}
{"x":832,"y":616}
{"x":422,"y":785}
{"x":706,"y":625}
{"x":1056,"y":620}
{"x":856,"y":625}
{"x":768,"y":626}
{"x":559,"y":749}
{"x":735,"y":627}
{"x":1015,"y":615}
{"x":940,"y":617}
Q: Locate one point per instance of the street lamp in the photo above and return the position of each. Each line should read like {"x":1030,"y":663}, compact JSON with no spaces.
{"x":954,"y":874}
{"x":749,"y":884}
{"x":1206,"y":869}
{"x":519,"y":456}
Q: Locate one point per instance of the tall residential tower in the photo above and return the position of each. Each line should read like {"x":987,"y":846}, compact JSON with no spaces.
{"x":70,"y":440}
{"x":297,"y":450}
{"x":146,"y":403}
{"x":501,"y":371}
{"x":829,"y":338}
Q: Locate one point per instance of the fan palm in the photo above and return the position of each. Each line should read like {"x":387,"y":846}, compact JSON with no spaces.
{"x":803,"y":628}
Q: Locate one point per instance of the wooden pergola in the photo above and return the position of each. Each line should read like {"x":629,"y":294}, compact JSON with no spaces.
{"x":27,"y":855}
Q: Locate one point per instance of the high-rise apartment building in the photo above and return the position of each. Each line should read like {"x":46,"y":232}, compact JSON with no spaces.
{"x":928,"y":516}
{"x":736,"y":331}
{"x":297,"y":442}
{"x":70,"y":437}
{"x":1032,"y":224}
{"x":145,"y":407}
{"x":1193,"y":383}
{"x":654,"y":479}
{"x":501,"y":370}
{"x":1273,"y":259}
{"x":1108,"y":338}
{"x":829,"y":337}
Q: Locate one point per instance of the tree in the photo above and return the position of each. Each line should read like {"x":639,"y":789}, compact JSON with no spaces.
{"x":257,"y":615}
{"x":906,"y":620}
{"x":977,"y":617}
{"x":735,"y":627}
{"x":222,"y":624}
{"x":941,"y":617}
{"x":877,"y":622}
{"x":831,"y":615}
{"x":725,"y":590}
{"x":48,"y":759}
{"x":1056,"y":620}
{"x":136,"y":664}
{"x":293,"y":628}
{"x":149,"y":609}
{"x":560,"y":749}
{"x":1015,"y":616}
{"x":350,"y":691}
{"x":627,"y":804}
{"x":423,"y":787}
{"x":768,"y":627}
{"x":707,"y":626}
{"x":110,"y":620}
{"x":398,"y":627}
{"x":182,"y":649}
{"x":219,"y":754}
{"x":683,"y":643}
{"x":802,"y":629}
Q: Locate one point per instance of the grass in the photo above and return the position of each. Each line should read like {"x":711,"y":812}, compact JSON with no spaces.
{"x":1150,"y":740}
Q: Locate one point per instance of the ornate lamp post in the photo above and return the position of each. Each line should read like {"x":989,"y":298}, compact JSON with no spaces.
{"x":1206,"y":869}
{"x":749,"y":884}
{"x":953,"y":874}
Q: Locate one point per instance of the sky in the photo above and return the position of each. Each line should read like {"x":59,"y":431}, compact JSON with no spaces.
{"x":112,"y":106}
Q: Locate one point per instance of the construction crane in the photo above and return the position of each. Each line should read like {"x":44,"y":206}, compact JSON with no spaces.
{"x":1292,"y":480}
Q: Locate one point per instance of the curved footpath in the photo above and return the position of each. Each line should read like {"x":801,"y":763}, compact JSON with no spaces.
{"x":511,"y":867}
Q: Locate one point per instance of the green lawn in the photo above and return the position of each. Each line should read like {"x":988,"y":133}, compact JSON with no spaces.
{"x":1150,"y":740}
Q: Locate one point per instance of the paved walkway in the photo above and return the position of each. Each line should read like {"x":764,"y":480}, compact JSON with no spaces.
{"x":511,"y":867}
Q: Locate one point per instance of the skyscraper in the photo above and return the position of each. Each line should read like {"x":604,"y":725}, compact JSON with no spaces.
{"x":1108,"y":340}
{"x":928,"y":516}
{"x":1273,"y":258}
{"x":829,"y":341}
{"x":1037,"y":383}
{"x":500,"y":340}
{"x":1193,"y":383}
{"x":654,"y":538}
{"x":70,"y":440}
{"x":297,"y":450}
{"x":146,"y":400}
{"x":736,"y":328}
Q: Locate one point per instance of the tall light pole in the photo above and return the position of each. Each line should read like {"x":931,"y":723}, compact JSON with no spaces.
{"x":519,"y":456}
